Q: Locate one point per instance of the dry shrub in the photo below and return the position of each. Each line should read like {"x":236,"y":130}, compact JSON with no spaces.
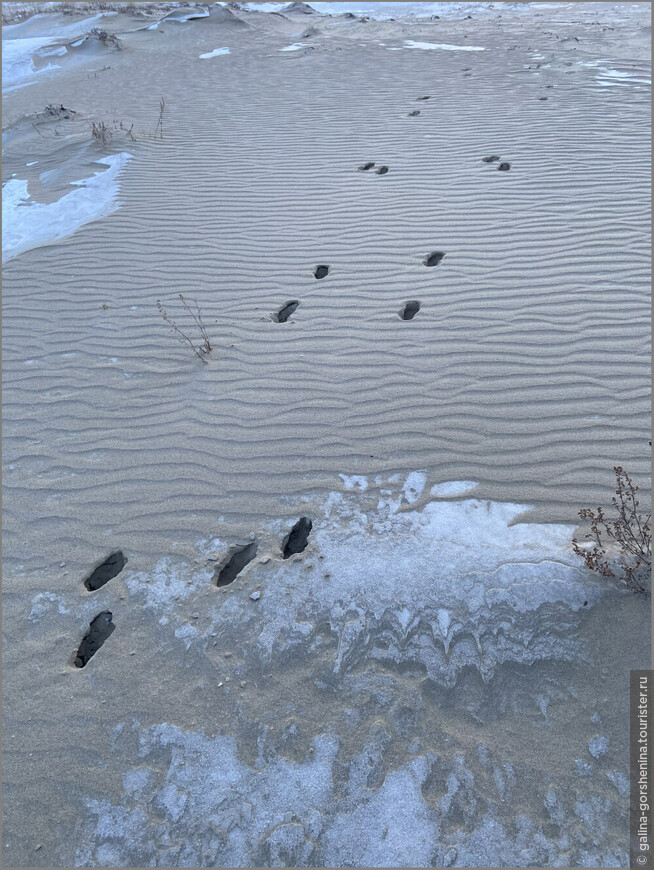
{"x":204,"y":347}
{"x":106,"y":38}
{"x":628,"y":535}
{"x":104,"y":133}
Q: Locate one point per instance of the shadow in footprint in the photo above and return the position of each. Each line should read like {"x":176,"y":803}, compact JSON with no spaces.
{"x":423,"y":98}
{"x":490,"y":159}
{"x":434,"y":258}
{"x":366,"y":166}
{"x":321,"y":271}
{"x":414,"y":114}
{"x":504,"y":167}
{"x":297,"y":538}
{"x":410,"y":310}
{"x":99,"y":630}
{"x":285,"y":311}
{"x":106,"y":571}
{"x":230,"y":571}
{"x":382,"y":170}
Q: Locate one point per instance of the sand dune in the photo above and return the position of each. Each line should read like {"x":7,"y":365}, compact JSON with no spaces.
{"x":414,"y":360}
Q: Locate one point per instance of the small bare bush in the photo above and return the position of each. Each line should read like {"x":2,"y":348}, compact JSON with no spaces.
{"x":200,"y":350}
{"x":101,"y":133}
{"x":629,"y":536}
{"x":106,"y":38}
{"x":104,"y":133}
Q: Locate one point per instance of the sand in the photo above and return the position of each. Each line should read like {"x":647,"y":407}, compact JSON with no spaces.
{"x":415,"y":686}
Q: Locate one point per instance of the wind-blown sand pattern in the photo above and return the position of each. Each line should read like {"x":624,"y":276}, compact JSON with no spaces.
{"x":314,"y":602}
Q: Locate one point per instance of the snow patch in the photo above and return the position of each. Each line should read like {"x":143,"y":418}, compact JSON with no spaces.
{"x":452,"y":487}
{"x":355,"y":480}
{"x":27,"y":224}
{"x":411,"y":43}
{"x":216,"y":52}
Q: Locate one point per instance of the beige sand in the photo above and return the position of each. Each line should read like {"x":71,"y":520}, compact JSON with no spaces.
{"x":526,"y":370}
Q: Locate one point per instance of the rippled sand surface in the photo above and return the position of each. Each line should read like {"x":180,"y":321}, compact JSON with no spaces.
{"x":436,"y":365}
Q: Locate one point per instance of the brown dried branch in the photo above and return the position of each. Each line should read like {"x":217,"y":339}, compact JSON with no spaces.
{"x":204,"y":347}
{"x":629,"y":535}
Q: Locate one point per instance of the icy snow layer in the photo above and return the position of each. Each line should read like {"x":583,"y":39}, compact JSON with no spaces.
{"x":19,"y":48}
{"x":27,"y":225}
{"x":392,"y":9}
{"x":451,"y":592}
{"x":216,"y":52}
{"x":411,"y":43}
{"x":206,"y":808}
{"x":451,"y":585}
{"x":393,"y":575}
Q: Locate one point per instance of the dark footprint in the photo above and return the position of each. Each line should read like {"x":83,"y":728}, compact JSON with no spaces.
{"x":110,"y":568}
{"x":321,"y":271}
{"x":366,"y":166}
{"x":434,"y":258}
{"x":490,"y":159}
{"x":423,"y":98}
{"x":297,"y":538}
{"x":504,"y":167}
{"x":382,"y":170}
{"x":542,"y":98}
{"x":414,"y":114}
{"x":285,"y":312}
{"x":410,"y":310}
{"x":99,"y":630}
{"x":230,"y":571}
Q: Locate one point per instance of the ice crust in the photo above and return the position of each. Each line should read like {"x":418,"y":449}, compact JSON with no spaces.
{"x":208,"y":808}
{"x":452,"y":585}
{"x":27,"y":224}
{"x":411,"y":43}
{"x":216,"y":52}
{"x":21,"y":42}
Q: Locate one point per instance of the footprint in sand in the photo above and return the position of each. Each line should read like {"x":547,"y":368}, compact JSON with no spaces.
{"x":297,"y":539}
{"x":99,"y":630}
{"x":285,"y":311}
{"x":382,"y":170}
{"x":410,"y":310}
{"x":106,"y":571}
{"x":434,"y":258}
{"x":414,"y":114}
{"x":423,"y":98}
{"x":229,"y":571}
{"x":504,"y":167}
{"x":366,"y":166}
{"x":321,"y":271}
{"x":491,"y":159}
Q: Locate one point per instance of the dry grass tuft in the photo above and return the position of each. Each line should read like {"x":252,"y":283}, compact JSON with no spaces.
{"x":204,"y":347}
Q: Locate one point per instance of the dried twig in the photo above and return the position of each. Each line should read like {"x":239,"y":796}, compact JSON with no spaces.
{"x":101,"y":133}
{"x":159,"y":127}
{"x":205,"y":346}
{"x":629,"y":533}
{"x":106,"y":38}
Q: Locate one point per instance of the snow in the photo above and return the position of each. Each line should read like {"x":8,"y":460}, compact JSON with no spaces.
{"x":355,"y":480}
{"x":216,"y":52}
{"x":452,"y":487}
{"x":27,"y":224}
{"x":410,"y":43}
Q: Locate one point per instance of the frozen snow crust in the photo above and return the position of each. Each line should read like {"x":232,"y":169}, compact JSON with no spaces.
{"x":416,"y":620}
{"x":449,"y":585}
{"x":27,"y":224}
